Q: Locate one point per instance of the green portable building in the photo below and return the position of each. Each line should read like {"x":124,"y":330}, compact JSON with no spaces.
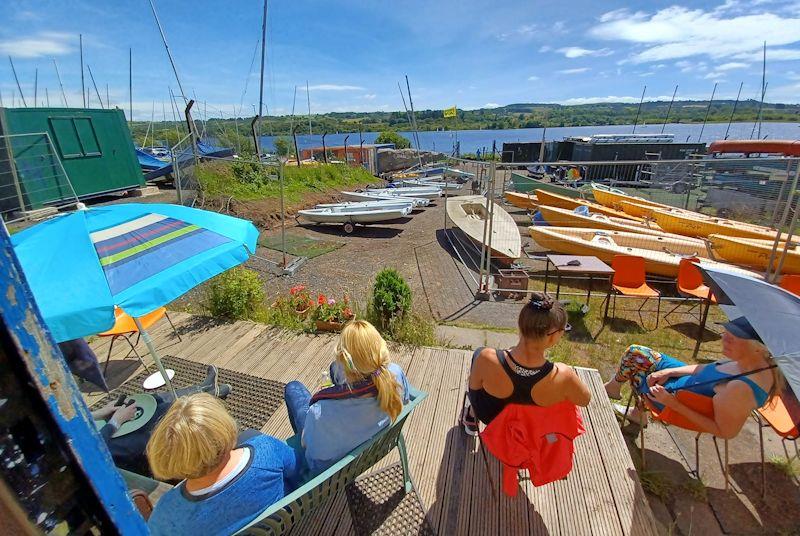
{"x":94,"y":146}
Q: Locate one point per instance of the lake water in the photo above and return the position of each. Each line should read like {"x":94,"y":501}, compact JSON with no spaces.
{"x":472,"y":140}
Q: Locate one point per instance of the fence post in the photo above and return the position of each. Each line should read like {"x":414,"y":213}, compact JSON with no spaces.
{"x":176,"y":168}
{"x":777,"y":241}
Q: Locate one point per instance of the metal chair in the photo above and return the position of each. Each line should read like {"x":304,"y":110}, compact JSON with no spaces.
{"x":125,"y":327}
{"x":791,"y":283}
{"x":629,"y":280}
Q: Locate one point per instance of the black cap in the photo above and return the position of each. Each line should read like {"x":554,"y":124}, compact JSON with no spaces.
{"x":741,"y":328}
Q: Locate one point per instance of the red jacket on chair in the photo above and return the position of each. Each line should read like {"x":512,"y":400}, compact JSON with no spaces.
{"x":535,"y":438}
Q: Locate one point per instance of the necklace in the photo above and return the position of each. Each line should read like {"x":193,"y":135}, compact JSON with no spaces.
{"x":525,"y":372}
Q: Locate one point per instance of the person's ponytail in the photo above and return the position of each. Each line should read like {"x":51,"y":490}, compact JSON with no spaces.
{"x":389,"y":397}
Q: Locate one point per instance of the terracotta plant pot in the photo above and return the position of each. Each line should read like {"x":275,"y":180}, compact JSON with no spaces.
{"x":302,"y":313}
{"x":324,"y":325}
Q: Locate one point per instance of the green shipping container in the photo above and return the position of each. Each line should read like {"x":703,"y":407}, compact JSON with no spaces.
{"x":95,"y":148}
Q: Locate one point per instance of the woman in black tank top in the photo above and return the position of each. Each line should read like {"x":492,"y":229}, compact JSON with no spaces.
{"x":541,"y":325}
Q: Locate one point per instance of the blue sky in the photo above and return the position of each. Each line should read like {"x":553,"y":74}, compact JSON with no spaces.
{"x":353,"y":53}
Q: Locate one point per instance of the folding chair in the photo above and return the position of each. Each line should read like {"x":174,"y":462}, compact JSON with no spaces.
{"x":629,"y":280}
{"x":782,"y":414}
{"x":691,"y":287}
{"x":125,"y":327}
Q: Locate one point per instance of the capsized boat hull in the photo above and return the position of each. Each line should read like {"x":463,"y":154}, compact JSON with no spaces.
{"x":413,"y":191}
{"x":525,"y":184}
{"x":378,"y":203}
{"x":469,"y":213}
{"x":602,"y":245}
{"x":755,"y":252}
{"x":449,"y":186}
{"x":553,"y":199}
{"x":703,"y":226}
{"x":524,"y":201}
{"x":561,"y":217}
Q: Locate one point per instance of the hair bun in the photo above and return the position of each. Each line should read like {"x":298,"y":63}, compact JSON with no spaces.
{"x":541,"y":301}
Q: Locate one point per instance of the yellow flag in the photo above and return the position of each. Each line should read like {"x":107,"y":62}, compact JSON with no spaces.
{"x":450,"y":112}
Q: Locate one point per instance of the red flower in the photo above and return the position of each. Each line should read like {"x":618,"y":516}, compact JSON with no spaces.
{"x":321,"y":299}
{"x":347,"y":312}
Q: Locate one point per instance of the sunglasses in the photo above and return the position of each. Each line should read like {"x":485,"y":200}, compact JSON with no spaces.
{"x":566,"y":328}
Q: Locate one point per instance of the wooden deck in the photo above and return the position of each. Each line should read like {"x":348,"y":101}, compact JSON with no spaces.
{"x":602,"y":496}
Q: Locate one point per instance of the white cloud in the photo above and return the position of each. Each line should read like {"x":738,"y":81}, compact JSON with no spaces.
{"x":524,"y":32}
{"x":773,"y":54}
{"x":612,"y":98}
{"x":573,"y":71}
{"x":491,"y":105}
{"x":678,"y":32}
{"x":41,"y":44}
{"x":578,"y":52}
{"x":533,"y":78}
{"x":731,"y":65}
{"x":334,"y":87}
{"x":545,"y":48}
{"x":369,"y":96}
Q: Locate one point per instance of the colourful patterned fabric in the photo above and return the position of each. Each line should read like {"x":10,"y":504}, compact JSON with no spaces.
{"x":135,"y":250}
{"x":637,"y":362}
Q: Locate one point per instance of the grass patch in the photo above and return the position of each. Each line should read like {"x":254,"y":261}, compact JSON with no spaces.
{"x":788,"y":466}
{"x":695,"y":489}
{"x":657,"y":483}
{"x":250,"y":181}
{"x":300,"y":246}
{"x":477,"y":325}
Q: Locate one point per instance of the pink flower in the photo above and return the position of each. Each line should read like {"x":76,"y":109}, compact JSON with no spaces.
{"x":331,"y":301}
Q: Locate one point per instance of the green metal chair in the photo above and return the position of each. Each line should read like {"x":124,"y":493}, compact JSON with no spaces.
{"x":279,"y":518}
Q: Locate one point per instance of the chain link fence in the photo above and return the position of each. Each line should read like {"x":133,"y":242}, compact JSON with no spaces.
{"x":739,"y":213}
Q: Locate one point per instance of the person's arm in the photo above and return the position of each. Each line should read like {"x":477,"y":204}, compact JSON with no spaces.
{"x":732,"y":405}
{"x":288,"y":459}
{"x":121,"y":415}
{"x":478,"y":371}
{"x":660,"y":376}
{"x":578,"y":393}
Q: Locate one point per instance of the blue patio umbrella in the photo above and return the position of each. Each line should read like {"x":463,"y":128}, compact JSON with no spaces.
{"x":772,"y":311}
{"x":136,"y":256}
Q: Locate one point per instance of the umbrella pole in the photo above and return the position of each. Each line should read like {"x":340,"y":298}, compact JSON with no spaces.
{"x":149,"y":343}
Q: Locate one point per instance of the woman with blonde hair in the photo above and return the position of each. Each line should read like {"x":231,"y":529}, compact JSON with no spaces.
{"x":224,"y":483}
{"x":367,"y":395}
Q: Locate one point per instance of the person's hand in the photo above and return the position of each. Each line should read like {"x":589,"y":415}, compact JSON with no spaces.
{"x":123,"y":415}
{"x":659,"y":394}
{"x":658,"y":377}
{"x":106,"y":411}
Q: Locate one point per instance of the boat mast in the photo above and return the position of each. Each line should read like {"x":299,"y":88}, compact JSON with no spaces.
{"x":169,"y":53}
{"x":91,"y":76}
{"x":708,"y":109}
{"x":308,"y":96}
{"x":413,"y":117}
{"x":61,"y":84}
{"x":35,"y":87}
{"x":763,"y":93}
{"x":410,"y":121}
{"x":13,"y":70}
{"x":294,"y":101}
{"x":735,"y":103}
{"x":638,"y":110}
{"x":256,"y":129}
{"x":83,"y":83}
{"x":669,"y":109}
{"x":130,"y":83}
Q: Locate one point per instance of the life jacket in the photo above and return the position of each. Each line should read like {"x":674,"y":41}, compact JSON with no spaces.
{"x":535,"y":438}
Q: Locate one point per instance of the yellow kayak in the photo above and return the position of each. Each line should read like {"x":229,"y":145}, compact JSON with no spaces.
{"x":755,"y":252}
{"x":561,"y":201}
{"x":691,"y":224}
{"x":613,"y":197}
{"x":560,"y":217}
{"x":605,"y":245}
{"x":526,"y":201}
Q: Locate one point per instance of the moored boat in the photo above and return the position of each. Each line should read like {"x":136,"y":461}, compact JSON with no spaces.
{"x":349,"y":215}
{"x":378,"y":203}
{"x":755,"y":252}
{"x":368,"y":195}
{"x":694,"y":224}
{"x":469,"y":213}
{"x":560,"y":217}
{"x":444,"y":186}
{"x":605,"y":246}
{"x":427,"y":192}
{"x":613,"y":197}
{"x":524,"y":201}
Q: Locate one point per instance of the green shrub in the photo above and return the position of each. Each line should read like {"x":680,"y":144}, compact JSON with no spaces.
{"x":390,"y":136}
{"x":391,"y":297}
{"x":236,"y":294}
{"x":251,"y":173}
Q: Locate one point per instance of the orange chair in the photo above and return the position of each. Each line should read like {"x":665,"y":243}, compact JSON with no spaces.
{"x":125,"y":327}
{"x":691,"y":287}
{"x":782,"y":414}
{"x":629,"y":280}
{"x":791,"y":283}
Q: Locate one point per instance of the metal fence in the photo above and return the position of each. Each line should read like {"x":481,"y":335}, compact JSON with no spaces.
{"x":32,"y":179}
{"x":740,"y":213}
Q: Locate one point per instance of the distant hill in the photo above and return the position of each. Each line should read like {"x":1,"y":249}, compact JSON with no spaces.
{"x":519,"y":115}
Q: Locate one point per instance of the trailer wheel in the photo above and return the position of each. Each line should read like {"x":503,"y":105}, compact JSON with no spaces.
{"x":349,"y":228}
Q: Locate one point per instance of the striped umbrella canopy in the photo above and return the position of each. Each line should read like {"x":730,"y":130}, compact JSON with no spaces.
{"x":136,"y":256}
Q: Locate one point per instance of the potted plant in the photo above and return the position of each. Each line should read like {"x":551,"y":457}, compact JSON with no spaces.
{"x":300,"y":300}
{"x":331,"y":315}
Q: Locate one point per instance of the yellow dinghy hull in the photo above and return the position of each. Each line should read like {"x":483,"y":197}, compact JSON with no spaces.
{"x":613,"y":198}
{"x":524,"y":201}
{"x":604,"y":246}
{"x":755,"y":252}
{"x":701,"y":226}
{"x":561,"y":201}
{"x":560,"y":217}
